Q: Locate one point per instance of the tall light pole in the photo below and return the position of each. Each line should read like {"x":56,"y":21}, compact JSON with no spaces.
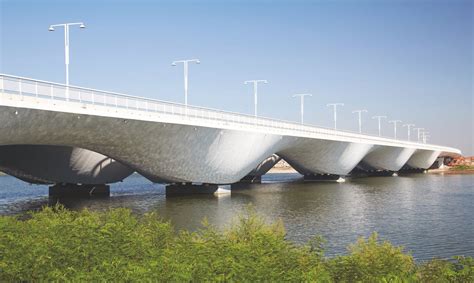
{"x":379,"y":118}
{"x":419,"y":132}
{"x":409,"y":129}
{"x":302,"y":95}
{"x":395,"y":127}
{"x":66,"y":42}
{"x":185,"y":64}
{"x":335,"y":105}
{"x":425,"y":136}
{"x":255,"y":92}
{"x":360,"y":118}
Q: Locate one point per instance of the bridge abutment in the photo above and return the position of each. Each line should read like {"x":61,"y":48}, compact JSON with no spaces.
{"x":76,"y":190}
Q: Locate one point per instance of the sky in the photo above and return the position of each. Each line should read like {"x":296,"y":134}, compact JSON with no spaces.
{"x":408,"y":60}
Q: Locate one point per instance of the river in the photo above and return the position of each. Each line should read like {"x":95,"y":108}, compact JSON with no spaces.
{"x":430,"y":214}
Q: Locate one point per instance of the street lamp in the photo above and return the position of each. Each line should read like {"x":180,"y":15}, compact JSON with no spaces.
{"x":302,"y":95}
{"x":185,"y":64}
{"x":335,"y":105}
{"x":66,"y":42}
{"x":360,"y":118}
{"x":419,"y":132}
{"x":408,"y":128}
{"x":395,"y":127}
{"x":379,"y":118}
{"x":425,"y":136}
{"x":255,"y":92}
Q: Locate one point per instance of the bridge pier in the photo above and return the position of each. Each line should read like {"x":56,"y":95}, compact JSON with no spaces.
{"x":193,"y":189}
{"x":76,"y":190}
{"x":251,"y":179}
{"x":411,"y":171}
{"x":373,"y":173}
{"x":322,"y":177}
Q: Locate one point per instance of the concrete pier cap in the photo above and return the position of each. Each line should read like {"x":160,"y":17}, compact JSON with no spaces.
{"x":79,"y":190}
{"x":180,"y":189}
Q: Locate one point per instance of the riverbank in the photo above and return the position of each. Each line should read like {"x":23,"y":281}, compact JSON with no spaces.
{"x":453,"y":170}
{"x":282,"y":170}
{"x":56,"y":244}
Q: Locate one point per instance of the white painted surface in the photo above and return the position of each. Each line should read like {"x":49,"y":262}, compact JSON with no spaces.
{"x":58,"y":164}
{"x":423,"y":158}
{"x":206,"y":146}
{"x":387,"y":158}
{"x":314,"y":156}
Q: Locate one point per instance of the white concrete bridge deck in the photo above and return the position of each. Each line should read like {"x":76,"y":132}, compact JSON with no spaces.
{"x":53,"y":133}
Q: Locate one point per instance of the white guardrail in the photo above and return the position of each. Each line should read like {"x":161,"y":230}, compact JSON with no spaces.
{"x":14,"y":85}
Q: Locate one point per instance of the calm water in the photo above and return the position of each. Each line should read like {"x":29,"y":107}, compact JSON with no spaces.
{"x":431,"y":215}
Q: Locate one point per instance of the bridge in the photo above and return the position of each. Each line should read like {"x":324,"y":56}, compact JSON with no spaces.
{"x":58,"y":134}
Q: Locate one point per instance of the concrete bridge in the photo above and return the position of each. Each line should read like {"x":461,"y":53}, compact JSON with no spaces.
{"x":52,"y":133}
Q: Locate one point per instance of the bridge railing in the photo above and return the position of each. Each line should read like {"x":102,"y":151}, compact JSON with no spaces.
{"x":19,"y":86}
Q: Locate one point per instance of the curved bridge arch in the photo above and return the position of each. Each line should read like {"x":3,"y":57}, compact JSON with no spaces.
{"x":169,"y":142}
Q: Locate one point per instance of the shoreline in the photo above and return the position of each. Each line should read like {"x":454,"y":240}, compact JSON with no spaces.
{"x":451,"y":171}
{"x":282,"y":170}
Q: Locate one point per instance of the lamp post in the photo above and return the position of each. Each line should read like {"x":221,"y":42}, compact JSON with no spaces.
{"x":395,"y":127}
{"x":335,"y":105}
{"x":379,"y":118}
{"x":255,"y":92}
{"x":360,"y":118}
{"x":302,"y":95}
{"x":425,"y":136}
{"x":418,"y":132}
{"x":66,"y":42}
{"x":185,"y":64}
{"x":408,"y":128}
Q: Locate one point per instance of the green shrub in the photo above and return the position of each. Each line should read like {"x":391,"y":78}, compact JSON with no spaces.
{"x":462,"y":167}
{"x":60,"y":245}
{"x":372,"y":261}
{"x":461,"y":269}
{"x":249,"y":250}
{"x":57,"y":244}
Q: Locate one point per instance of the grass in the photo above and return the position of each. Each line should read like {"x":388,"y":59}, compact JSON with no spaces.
{"x":56,"y":244}
{"x":462,"y":167}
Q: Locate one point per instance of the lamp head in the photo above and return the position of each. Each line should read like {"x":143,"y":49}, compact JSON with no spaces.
{"x":173,"y":64}
{"x":198,"y":62}
{"x":82,"y":25}
{"x":51,"y":29}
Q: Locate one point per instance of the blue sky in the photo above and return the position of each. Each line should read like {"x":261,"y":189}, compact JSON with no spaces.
{"x":409,"y":60}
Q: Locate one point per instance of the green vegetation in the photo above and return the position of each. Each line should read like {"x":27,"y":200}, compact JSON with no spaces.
{"x":462,"y":167}
{"x":60,"y":245}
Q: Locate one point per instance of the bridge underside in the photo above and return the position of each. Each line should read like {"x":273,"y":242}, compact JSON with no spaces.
{"x":87,"y":149}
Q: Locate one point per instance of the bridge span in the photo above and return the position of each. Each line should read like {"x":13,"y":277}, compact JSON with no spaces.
{"x":53,"y":133}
